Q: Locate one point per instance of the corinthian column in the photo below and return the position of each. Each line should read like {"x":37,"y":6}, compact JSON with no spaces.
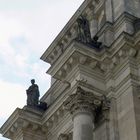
{"x":82,"y":106}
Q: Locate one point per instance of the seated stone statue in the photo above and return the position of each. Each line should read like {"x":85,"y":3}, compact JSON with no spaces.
{"x":33,"y":94}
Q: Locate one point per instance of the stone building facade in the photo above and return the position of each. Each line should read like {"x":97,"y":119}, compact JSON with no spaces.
{"x":95,"y":90}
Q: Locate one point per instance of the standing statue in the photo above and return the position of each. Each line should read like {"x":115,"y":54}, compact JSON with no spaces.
{"x":33,"y":94}
{"x":83,"y":30}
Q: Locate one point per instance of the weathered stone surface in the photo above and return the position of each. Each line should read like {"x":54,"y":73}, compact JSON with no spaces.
{"x":112,"y":72}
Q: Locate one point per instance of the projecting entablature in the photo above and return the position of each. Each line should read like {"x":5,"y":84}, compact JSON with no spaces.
{"x":83,"y":27}
{"x":24,"y":124}
{"x":75,"y":55}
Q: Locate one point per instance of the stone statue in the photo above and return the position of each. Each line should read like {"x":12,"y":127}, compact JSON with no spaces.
{"x":84,"y":35}
{"x":33,"y":94}
{"x":83,"y":30}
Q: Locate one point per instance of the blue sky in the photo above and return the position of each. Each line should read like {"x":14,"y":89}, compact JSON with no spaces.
{"x":27,"y":27}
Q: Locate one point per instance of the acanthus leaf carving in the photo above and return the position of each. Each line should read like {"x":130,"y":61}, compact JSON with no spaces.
{"x":87,"y":102}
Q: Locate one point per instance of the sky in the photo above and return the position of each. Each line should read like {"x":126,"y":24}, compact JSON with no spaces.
{"x":27,"y":28}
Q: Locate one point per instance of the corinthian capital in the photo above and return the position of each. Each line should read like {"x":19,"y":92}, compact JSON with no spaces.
{"x":82,"y":101}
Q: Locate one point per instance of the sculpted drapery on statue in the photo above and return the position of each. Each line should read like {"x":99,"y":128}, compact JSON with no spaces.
{"x":33,"y":94}
{"x":84,"y":35}
{"x":83,"y":30}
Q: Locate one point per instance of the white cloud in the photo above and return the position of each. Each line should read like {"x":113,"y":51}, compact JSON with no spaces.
{"x":9,"y":27}
{"x":37,"y":22}
{"x":12,"y":96}
{"x":38,"y":71}
{"x":27,"y":27}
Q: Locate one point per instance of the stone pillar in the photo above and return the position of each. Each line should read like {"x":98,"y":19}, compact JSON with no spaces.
{"x":83,"y":125}
{"x":82,"y":107}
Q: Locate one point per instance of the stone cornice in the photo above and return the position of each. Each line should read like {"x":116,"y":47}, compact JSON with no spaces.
{"x":87,"y":87}
{"x":105,"y":59}
{"x":107,"y":26}
{"x":79,"y":70}
{"x":90,"y":10}
{"x":21,"y":119}
{"x":55,"y":110}
{"x":123,"y":47}
{"x":66,"y":29}
{"x":57,"y":83}
{"x":71,"y":57}
{"x":55,"y":90}
{"x":56,"y":49}
{"x":123,"y":18}
{"x":114,"y":55}
{"x":63,"y":123}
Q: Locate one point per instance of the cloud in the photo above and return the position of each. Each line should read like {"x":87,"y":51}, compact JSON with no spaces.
{"x":12,"y":96}
{"x":27,"y":27}
{"x":2,"y":138}
{"x":38,"y":72}
{"x":39,"y":22}
{"x":25,"y":33}
{"x":9,"y":27}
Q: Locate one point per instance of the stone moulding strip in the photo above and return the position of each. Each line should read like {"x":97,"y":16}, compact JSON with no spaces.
{"x":21,"y":119}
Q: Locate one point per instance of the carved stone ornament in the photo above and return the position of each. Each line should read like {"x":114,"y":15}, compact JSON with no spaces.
{"x":33,"y":94}
{"x":83,"y":30}
{"x":102,"y":111}
{"x":84,"y":35}
{"x":82,"y":101}
{"x":63,"y":137}
{"x":33,"y":97}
